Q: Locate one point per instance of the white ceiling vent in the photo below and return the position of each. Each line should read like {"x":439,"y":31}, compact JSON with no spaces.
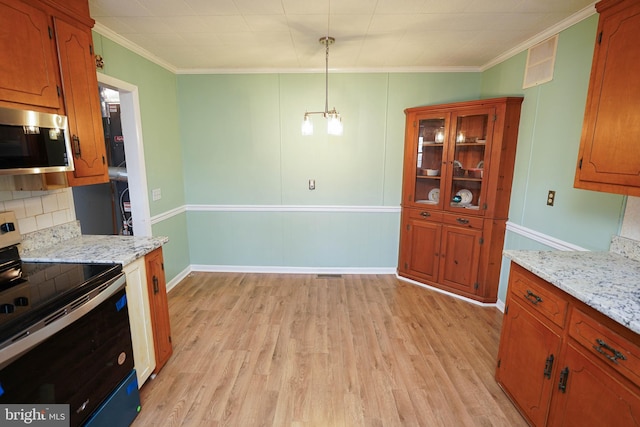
{"x":540,"y":61}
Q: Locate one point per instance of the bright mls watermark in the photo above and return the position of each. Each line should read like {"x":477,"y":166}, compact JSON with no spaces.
{"x":35,"y":415}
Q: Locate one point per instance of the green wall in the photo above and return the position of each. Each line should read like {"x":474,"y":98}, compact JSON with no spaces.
{"x":247,"y":166}
{"x":228,"y":148}
{"x":161,"y":138}
{"x":548,"y":142}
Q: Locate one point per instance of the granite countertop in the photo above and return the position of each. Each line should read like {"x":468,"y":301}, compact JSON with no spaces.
{"x":606,"y":281}
{"x":96,"y":249}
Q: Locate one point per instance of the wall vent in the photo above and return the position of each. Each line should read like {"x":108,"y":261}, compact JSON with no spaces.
{"x":541,"y":59}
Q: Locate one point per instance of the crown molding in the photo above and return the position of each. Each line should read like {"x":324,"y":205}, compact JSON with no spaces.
{"x":128,"y":44}
{"x":549,"y":32}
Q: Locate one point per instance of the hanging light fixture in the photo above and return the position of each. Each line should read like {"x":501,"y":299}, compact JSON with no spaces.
{"x":334,"y":121}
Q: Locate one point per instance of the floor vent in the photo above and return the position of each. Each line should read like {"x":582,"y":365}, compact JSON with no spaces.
{"x":329,"y":276}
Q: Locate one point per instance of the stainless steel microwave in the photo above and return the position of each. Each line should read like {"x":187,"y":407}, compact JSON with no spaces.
{"x":33,"y":142}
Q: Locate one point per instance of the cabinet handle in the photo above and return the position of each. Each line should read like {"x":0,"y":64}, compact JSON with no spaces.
{"x":548,"y":366}
{"x":616,"y":354}
{"x":155,"y":285}
{"x":425,"y":214}
{"x":76,"y":145}
{"x":533,"y":298}
{"x":564,"y":375}
{"x":462,"y":220}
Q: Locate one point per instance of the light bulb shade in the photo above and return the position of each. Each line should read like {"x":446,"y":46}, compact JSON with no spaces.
{"x":307,"y":126}
{"x":334,"y":124}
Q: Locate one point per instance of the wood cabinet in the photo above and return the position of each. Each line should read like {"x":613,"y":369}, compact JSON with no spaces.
{"x":609,"y":155}
{"x":47,"y":64}
{"x":157,"y":289}
{"x":140,"y":320}
{"x":458,"y":167}
{"x":562,"y":362}
{"x":82,"y":103}
{"x":28,"y":68}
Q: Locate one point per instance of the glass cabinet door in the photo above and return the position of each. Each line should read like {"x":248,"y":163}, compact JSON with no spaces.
{"x":429,"y":160}
{"x":472,"y":135}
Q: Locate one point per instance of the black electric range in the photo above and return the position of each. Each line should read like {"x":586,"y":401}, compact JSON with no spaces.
{"x":31,"y":293}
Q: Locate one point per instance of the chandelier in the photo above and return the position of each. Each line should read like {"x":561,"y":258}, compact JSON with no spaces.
{"x":334,"y":121}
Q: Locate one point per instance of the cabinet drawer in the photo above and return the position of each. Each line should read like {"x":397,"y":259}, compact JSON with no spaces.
{"x":425,"y":214}
{"x":463,"y":221}
{"x":537,"y":295}
{"x":618,"y":352}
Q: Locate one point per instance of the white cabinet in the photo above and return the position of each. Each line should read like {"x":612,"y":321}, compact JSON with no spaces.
{"x":140,"y":319}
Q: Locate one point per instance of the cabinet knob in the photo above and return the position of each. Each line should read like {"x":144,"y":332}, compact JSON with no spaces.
{"x":155,"y":285}
{"x":425,"y":214}
{"x":462,"y":220}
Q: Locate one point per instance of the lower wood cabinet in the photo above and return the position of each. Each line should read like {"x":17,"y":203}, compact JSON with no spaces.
{"x":140,"y":319}
{"x":157,"y":289}
{"x":449,"y":251}
{"x":562,"y":362}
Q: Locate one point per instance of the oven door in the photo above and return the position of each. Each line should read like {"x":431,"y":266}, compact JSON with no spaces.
{"x":77,"y":359}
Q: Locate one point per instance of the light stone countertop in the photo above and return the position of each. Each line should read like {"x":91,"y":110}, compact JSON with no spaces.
{"x":606,"y":281}
{"x":96,"y":249}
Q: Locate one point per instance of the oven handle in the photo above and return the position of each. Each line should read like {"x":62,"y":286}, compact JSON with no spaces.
{"x":26,"y":340}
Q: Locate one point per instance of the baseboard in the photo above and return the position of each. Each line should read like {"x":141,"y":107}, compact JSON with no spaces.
{"x":451,"y":294}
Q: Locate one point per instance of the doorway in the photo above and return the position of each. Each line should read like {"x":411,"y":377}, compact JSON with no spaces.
{"x":122,"y":205}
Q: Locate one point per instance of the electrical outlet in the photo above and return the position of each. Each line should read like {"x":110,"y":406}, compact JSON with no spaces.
{"x":312,"y":184}
{"x":551,"y":198}
{"x":156,"y":194}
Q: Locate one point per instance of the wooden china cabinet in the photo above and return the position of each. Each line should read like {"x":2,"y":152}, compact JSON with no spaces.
{"x":458,"y":167}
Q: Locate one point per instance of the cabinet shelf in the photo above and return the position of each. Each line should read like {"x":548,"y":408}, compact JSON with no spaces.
{"x":471,"y":144}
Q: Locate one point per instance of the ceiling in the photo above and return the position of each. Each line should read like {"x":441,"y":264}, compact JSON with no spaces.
{"x":282,"y":35}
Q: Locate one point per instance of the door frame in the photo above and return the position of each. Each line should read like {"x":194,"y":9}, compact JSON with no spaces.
{"x":134,"y":152}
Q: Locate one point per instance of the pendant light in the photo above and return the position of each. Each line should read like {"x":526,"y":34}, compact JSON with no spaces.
{"x":334,"y":121}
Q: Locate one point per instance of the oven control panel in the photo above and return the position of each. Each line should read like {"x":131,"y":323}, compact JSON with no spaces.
{"x":9,"y":233}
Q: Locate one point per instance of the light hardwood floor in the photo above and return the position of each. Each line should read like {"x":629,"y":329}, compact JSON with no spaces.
{"x":304,"y":350}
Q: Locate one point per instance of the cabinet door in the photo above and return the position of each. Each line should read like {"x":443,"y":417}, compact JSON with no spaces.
{"x":460,"y":258}
{"x":424,"y":155}
{"x":527,"y":368}
{"x":140,"y":320}
{"x":470,"y":140}
{"x":587,"y":395}
{"x":157,"y":289}
{"x":82,"y":102}
{"x":421,"y":252}
{"x":610,"y":147}
{"x":28,"y":73}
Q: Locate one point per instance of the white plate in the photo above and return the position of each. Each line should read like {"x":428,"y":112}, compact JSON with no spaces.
{"x":428,"y":202}
{"x":480,"y":164}
{"x":472,"y":207}
{"x":465,"y":195}
{"x":457,"y":164}
{"x":434,"y":195}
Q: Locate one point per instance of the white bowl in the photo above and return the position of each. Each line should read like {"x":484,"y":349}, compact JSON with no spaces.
{"x":432,"y":172}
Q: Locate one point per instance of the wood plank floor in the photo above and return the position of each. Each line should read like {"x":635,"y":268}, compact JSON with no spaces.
{"x":306,"y":350}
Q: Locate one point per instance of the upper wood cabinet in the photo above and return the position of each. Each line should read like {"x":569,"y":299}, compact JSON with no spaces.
{"x":47,"y":64}
{"x":609,"y":155}
{"x":82,"y":103}
{"x":28,"y":65}
{"x":458,"y":167}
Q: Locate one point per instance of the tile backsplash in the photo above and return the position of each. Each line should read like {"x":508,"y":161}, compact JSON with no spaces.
{"x":37,"y":210}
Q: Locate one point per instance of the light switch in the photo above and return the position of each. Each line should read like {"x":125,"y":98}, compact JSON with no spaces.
{"x":156,"y":194}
